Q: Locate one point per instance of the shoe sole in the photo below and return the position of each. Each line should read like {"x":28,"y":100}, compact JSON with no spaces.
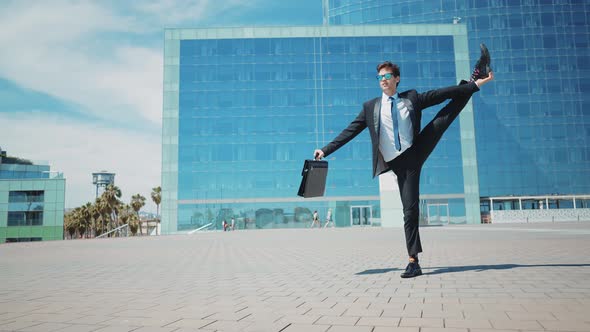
{"x":412,"y":276}
{"x":485,"y":53}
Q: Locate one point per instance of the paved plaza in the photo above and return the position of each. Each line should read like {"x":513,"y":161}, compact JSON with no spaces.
{"x":516,"y":277}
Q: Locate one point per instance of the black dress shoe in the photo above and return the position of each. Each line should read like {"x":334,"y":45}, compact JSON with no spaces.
{"x":412,"y":270}
{"x":482,"y":67}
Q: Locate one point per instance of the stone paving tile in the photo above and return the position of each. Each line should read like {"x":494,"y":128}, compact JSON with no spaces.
{"x":339,"y":328}
{"x":270,"y":280}
{"x":326,"y":312}
{"x":141,"y":321}
{"x":404,"y":298}
{"x":318,"y":305}
{"x":432,"y":313}
{"x":337,"y":320}
{"x":19,"y":307}
{"x":53,"y":308}
{"x":388,"y":306}
{"x":423,"y":306}
{"x":411,"y":313}
{"x":483,"y":314}
{"x":45,"y":327}
{"x":192,"y":323}
{"x":468,"y":323}
{"x":154,"y":329}
{"x":379,"y":321}
{"x":547,"y":316}
{"x":53,"y":318}
{"x":223,"y":325}
{"x":436,"y":329}
{"x":565,"y":325}
{"x":79,"y":328}
{"x":371,"y":300}
{"x":118,"y":328}
{"x":515,"y":324}
{"x":265,"y":327}
{"x":363,"y":312}
{"x":230,"y":316}
{"x":11,"y":316}
{"x":397,"y":329}
{"x":573,"y":316}
{"x":494,"y":330}
{"x":299,"y":319}
{"x":421,"y":322}
{"x":306,"y":328}
{"x":262,"y":316}
{"x":12,"y":325}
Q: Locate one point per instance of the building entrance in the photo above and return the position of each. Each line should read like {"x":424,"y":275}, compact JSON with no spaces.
{"x":438,"y":214}
{"x":360,"y":215}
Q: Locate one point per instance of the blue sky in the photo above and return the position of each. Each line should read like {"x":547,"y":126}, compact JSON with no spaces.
{"x":81,"y":81}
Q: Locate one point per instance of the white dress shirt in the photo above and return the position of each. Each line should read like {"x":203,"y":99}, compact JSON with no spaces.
{"x":406,"y":133}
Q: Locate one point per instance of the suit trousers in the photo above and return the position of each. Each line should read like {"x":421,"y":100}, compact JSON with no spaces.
{"x":408,"y":165}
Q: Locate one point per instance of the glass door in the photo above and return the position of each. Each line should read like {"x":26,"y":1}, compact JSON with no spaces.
{"x":360,"y":215}
{"x":438,"y":214}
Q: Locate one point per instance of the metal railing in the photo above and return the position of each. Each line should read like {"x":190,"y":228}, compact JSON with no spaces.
{"x":200,"y":228}
{"x":121,"y":231}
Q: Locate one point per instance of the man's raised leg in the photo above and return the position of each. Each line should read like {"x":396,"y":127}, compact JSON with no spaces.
{"x":433,"y":131}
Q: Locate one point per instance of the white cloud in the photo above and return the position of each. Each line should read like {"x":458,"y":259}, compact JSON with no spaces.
{"x":94,"y":55}
{"x":173,"y":13}
{"x":67,"y":50}
{"x":79,"y":149}
{"x":107,"y":58}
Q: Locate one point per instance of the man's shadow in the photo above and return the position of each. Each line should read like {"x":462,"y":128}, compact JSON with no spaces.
{"x":477,"y":268}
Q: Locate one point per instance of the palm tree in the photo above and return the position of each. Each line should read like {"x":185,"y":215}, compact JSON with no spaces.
{"x":133,"y":223}
{"x":95,"y":213}
{"x":70,"y":224}
{"x":86,"y":212}
{"x":157,"y":198}
{"x":111,"y":197}
{"x":137,"y":202}
{"x":80,"y":221}
{"x":103,"y":209}
{"x":125,"y":212}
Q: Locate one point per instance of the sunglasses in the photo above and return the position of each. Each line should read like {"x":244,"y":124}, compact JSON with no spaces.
{"x":387,"y":76}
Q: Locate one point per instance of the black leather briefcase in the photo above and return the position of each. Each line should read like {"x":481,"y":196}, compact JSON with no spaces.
{"x":313,"y":183}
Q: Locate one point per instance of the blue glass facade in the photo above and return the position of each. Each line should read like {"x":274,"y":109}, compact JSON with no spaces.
{"x":532,"y":125}
{"x":241,"y":114}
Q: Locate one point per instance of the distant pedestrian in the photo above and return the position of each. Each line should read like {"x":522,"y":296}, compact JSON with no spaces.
{"x":329,"y":218}
{"x":233,"y":223}
{"x":224,"y":223}
{"x":316,"y":220}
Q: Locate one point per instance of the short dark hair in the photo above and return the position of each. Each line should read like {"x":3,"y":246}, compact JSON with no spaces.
{"x":392,"y":66}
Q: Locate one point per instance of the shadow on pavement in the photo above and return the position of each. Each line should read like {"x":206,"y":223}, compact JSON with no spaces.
{"x":378,"y":271}
{"x":476,"y":268}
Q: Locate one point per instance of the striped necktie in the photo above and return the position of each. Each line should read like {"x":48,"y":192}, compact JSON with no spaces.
{"x":394,"y":111}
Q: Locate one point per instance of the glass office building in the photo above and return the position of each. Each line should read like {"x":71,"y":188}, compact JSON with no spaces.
{"x":533,"y":123}
{"x":244,"y":107}
{"x":31,"y":202}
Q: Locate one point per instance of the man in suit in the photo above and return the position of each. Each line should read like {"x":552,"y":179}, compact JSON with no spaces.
{"x":398,"y":143}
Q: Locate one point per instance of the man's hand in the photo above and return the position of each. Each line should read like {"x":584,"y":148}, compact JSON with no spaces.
{"x":483,"y":81}
{"x":318,"y":154}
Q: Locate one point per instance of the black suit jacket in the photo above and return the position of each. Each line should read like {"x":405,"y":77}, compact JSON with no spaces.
{"x":370,"y":117}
